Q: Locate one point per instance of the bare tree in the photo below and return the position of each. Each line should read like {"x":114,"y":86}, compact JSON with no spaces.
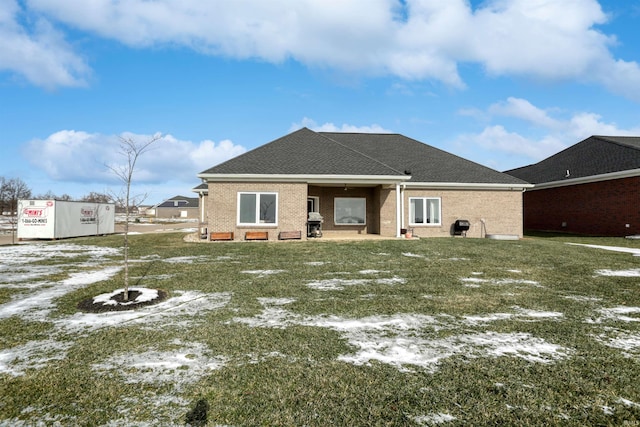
{"x":95,"y":197}
{"x":12,"y":190}
{"x":130,"y":150}
{"x":49,"y":195}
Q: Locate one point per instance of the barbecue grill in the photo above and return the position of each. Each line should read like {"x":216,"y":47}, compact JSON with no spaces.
{"x":314,"y":224}
{"x":460,"y":227}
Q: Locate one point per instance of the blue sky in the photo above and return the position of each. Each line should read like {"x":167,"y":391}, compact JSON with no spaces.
{"x":504,"y":83}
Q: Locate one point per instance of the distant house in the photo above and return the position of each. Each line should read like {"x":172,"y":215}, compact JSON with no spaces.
{"x":178,"y":207}
{"x":359,"y":184}
{"x":592,"y":188}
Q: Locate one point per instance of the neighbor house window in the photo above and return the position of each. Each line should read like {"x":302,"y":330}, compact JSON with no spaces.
{"x":424,"y":210}
{"x":257,"y":208}
{"x":350,"y":210}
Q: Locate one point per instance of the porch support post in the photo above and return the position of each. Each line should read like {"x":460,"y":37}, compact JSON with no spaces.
{"x":399,"y":210}
{"x":201,"y":206}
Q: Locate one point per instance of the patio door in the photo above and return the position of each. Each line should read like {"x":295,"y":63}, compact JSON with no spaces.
{"x":313,"y":204}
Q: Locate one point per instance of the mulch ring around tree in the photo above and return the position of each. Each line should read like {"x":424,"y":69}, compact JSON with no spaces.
{"x":115,"y":301}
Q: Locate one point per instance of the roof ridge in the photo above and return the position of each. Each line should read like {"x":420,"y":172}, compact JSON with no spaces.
{"x":323,"y":135}
{"x":610,"y":139}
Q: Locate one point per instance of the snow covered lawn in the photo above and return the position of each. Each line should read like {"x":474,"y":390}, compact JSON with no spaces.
{"x":419,"y":332}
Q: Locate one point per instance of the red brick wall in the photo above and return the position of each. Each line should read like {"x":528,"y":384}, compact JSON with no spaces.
{"x":599,"y":208}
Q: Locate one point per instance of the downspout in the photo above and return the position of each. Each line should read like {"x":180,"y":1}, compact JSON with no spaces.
{"x":399,"y":210}
{"x":403,"y":187}
{"x":201,"y":206}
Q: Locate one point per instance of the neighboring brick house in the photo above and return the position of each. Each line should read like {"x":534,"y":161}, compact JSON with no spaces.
{"x":592,"y":188}
{"x":178,"y":207}
{"x":359,"y":183}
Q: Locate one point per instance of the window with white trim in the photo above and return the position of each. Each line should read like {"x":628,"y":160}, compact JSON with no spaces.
{"x":350,"y":210}
{"x":424,"y":211}
{"x":255,"y":208}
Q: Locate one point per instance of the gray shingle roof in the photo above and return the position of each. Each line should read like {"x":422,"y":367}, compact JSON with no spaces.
{"x":183,"y":202}
{"x":305,"y":152}
{"x":595,"y":155}
{"x":423,"y":162}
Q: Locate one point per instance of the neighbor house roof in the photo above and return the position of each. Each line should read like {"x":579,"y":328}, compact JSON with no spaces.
{"x":201,"y":188}
{"x":182,"y":202}
{"x":594,"y":156}
{"x":308,"y":153}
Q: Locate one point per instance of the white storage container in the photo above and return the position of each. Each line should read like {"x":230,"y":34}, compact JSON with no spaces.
{"x":57,"y":219}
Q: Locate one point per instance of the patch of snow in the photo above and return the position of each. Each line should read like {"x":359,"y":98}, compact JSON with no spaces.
{"x":190,"y":362}
{"x":412,"y":255}
{"x":263,"y":273}
{"x":391,"y":281}
{"x":633,"y":251}
{"x":608,"y":410}
{"x":145,"y":295}
{"x":35,"y":253}
{"x":616,"y":314}
{"x":520,"y":314}
{"x":620,"y":339}
{"x":32,"y":355}
{"x":633,"y":272}
{"x":475,"y":282}
{"x":23,"y":273}
{"x":275,"y":301}
{"x":37,"y":305}
{"x":536,"y":314}
{"x":494,"y":317}
{"x":404,"y":340}
{"x":186,"y":259}
{"x":629,"y":403}
{"x":433,"y":419}
{"x":581,"y":298}
{"x":520,"y":345}
{"x":340,"y":284}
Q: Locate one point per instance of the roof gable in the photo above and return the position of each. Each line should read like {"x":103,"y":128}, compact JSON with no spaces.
{"x":596,"y":155}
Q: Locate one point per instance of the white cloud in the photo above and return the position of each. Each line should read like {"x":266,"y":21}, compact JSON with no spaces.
{"x":330,"y":127}
{"x":76,"y":156}
{"x":551,"y":134}
{"x":523,"y":109}
{"x":39,"y":54}
{"x":413,"y":40}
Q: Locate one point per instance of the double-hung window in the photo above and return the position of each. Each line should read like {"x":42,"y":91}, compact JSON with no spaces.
{"x":424,"y":211}
{"x":256,"y":208}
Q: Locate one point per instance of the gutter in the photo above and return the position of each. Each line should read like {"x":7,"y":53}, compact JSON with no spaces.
{"x":308,"y":179}
{"x":467,"y":186}
{"x":631,"y":173}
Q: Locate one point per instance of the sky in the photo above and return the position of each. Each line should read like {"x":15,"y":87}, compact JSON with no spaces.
{"x":504,"y":83}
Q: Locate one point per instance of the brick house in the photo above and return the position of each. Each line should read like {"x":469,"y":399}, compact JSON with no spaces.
{"x":177,"y":207}
{"x":360,"y":184}
{"x":591,"y":188}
